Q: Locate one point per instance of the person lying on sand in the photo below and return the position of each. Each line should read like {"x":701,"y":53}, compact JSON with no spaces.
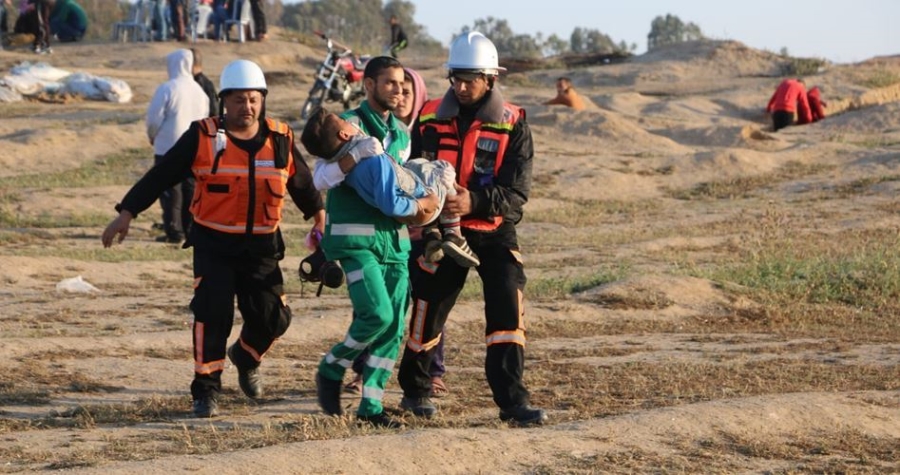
{"x":566,"y":95}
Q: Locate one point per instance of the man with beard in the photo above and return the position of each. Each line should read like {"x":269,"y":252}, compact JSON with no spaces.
{"x":489,"y":144}
{"x":372,"y":246}
{"x":246,"y":165}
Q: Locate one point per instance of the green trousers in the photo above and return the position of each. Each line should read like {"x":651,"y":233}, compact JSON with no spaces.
{"x":379,"y":293}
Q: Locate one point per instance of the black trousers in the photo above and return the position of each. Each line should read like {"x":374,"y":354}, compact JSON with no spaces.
{"x":41,"y":24}
{"x":258,"y":284}
{"x":4,"y":21}
{"x":434,"y":295}
{"x":782,"y":119}
{"x":180,"y":20}
{"x":176,"y":207}
{"x":259,"y":17}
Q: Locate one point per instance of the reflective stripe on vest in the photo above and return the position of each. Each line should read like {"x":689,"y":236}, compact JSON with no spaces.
{"x":362,"y":229}
{"x":462,"y":156}
{"x":222,"y":196}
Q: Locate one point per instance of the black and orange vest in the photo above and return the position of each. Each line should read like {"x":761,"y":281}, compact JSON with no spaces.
{"x":478,"y":157}
{"x":234,"y":196}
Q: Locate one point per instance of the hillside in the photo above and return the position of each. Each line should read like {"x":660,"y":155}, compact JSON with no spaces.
{"x":705,"y":295}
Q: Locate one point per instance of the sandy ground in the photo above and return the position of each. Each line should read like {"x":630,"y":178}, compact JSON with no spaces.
{"x":664,"y":121}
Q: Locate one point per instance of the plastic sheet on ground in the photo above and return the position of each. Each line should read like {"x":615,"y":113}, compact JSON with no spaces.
{"x":97,"y":88}
{"x":31,"y":79}
{"x":76,"y":285}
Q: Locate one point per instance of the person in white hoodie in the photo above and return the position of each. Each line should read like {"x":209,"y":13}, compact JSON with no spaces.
{"x":175,"y":104}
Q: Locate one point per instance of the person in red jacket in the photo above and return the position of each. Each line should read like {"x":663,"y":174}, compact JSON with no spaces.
{"x":816,"y":104}
{"x":789,"y":102}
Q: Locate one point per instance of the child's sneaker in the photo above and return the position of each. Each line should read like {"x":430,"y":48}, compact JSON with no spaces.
{"x":434,"y":251}
{"x":458,"y":248}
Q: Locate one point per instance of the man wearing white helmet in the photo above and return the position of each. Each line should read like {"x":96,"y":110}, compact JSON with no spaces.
{"x":489,"y":143}
{"x":244,"y":165}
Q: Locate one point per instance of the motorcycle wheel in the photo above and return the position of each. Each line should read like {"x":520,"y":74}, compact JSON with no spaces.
{"x":316,"y":96}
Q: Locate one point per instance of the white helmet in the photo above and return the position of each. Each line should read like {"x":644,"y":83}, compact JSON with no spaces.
{"x":242,"y":74}
{"x":472,"y":51}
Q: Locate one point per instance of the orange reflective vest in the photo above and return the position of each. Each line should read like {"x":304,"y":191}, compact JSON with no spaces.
{"x":483,"y":147}
{"x":231,"y":196}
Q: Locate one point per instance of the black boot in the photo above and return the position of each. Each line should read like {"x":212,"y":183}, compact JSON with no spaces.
{"x":328,"y":392}
{"x":206,"y":407}
{"x":248,"y":379}
{"x":523,"y":415}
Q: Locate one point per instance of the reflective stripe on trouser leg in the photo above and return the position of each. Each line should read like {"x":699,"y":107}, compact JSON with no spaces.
{"x":379,"y":294}
{"x":213,"y":308}
{"x":260,"y":298}
{"x":433,"y":297}
{"x":505,"y":330}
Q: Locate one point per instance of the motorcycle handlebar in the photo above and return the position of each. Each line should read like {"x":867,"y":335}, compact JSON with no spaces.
{"x":333,"y":42}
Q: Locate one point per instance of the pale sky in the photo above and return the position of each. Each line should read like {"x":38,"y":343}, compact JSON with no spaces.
{"x":842,"y":31}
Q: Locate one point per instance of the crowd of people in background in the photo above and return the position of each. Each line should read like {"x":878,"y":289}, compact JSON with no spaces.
{"x":41,"y":21}
{"x":173,"y":19}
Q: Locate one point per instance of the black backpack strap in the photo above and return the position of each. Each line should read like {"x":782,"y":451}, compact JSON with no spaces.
{"x":282,"y":145}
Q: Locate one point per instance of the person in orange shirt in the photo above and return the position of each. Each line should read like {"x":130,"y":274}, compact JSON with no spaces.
{"x":816,"y":104}
{"x":789,"y":103}
{"x":566,"y":95}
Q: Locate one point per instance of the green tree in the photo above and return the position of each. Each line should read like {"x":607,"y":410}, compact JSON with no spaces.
{"x":507,"y":42}
{"x":360,"y":24}
{"x":554,"y":46}
{"x":593,"y":41}
{"x":365,"y":26}
{"x":578,"y":40}
{"x":274,"y":12}
{"x":670,"y":30}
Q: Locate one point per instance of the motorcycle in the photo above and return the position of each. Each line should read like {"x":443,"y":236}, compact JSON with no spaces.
{"x":338,"y":79}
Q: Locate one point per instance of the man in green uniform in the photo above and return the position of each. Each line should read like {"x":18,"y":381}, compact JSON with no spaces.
{"x":369,"y":240}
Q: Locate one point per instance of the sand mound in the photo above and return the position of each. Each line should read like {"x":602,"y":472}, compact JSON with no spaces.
{"x":712,"y":58}
{"x":609,"y":128}
{"x":626,"y":103}
{"x":658,"y":291}
{"x":872,"y":119}
{"x":725,"y":136}
{"x":718,"y":164}
{"x":601,"y":208}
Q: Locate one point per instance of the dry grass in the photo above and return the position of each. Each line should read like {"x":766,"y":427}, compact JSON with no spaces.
{"x":802,"y":305}
{"x":747,"y":186}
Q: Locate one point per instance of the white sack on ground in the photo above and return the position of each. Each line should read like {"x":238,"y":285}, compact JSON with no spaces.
{"x":29,"y":79}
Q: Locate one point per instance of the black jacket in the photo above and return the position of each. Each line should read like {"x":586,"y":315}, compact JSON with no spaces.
{"x":210,"y":89}
{"x":509,"y":191}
